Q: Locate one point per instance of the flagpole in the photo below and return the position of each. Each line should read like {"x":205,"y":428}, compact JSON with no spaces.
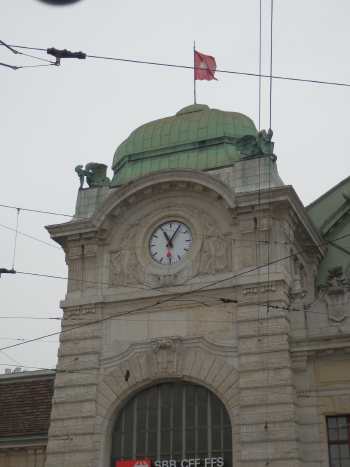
{"x":194,"y":73}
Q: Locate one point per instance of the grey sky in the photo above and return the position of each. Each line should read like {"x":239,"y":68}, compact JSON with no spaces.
{"x":55,"y":118}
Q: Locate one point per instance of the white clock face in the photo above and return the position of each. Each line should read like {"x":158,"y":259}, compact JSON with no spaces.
{"x":170,"y":242}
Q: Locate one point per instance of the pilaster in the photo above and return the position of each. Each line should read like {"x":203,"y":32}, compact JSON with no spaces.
{"x":268,"y":428}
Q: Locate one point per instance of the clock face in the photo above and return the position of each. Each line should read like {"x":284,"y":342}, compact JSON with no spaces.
{"x":170,"y":242}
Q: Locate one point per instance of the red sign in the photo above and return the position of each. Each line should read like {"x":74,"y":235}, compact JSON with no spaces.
{"x":134,"y":463}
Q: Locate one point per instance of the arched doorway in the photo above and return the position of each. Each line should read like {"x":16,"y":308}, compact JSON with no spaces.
{"x":173,"y":425}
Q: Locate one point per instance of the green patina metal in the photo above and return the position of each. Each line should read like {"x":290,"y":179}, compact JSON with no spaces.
{"x":197,"y":137}
{"x":331,"y":216}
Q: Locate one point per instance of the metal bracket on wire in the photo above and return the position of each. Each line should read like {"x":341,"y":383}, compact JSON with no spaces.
{"x":59,"y":54}
{"x":7,"y":271}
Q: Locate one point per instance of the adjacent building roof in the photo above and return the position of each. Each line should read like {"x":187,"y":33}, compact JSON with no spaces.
{"x":330,"y":214}
{"x":25,"y":405}
{"x":197,"y":137}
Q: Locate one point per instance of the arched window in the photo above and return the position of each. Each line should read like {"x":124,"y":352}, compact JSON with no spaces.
{"x":174,"y":421}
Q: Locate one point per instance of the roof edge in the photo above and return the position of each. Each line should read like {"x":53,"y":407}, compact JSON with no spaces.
{"x":328,"y":192}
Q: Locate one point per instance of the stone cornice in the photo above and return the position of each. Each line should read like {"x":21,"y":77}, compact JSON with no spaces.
{"x":321,"y":343}
{"x":284,"y":194}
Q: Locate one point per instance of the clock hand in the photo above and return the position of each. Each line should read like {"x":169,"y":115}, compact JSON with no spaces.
{"x":176,"y":231}
{"x":169,"y":244}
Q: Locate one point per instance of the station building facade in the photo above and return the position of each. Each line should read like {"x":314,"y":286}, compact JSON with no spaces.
{"x":206,"y":321}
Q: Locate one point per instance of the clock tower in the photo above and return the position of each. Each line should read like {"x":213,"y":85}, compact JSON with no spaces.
{"x":175,"y":350}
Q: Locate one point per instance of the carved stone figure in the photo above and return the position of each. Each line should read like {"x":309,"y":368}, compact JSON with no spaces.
{"x":337,"y":294}
{"x":214,"y":254}
{"x":336,"y":277}
{"x":94,"y":173}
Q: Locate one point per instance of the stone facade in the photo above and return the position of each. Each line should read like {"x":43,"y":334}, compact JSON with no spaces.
{"x":273,"y":348}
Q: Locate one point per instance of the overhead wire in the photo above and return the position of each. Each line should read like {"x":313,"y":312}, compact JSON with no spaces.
{"x":259,"y":65}
{"x":40,"y":211}
{"x":15,"y":242}
{"x":171,"y":65}
{"x":18,"y":52}
{"x":31,"y":237}
{"x":165,"y":300}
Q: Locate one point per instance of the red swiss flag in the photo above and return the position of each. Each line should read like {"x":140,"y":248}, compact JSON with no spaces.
{"x":205,"y":66}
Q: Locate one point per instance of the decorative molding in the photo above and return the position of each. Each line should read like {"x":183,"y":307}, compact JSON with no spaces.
{"x":170,"y":343}
{"x":259,"y":290}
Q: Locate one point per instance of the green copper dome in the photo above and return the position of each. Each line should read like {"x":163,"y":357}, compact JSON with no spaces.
{"x":197,"y":137}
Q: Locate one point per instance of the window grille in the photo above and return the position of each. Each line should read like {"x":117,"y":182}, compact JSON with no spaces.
{"x":173,"y":421}
{"x":339,"y":440}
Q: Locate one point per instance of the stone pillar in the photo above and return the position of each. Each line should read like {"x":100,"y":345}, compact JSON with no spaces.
{"x":72,"y":438}
{"x":268,"y":428}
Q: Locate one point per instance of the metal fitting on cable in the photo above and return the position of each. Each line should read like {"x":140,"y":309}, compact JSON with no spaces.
{"x":7,"y":271}
{"x":59,"y":54}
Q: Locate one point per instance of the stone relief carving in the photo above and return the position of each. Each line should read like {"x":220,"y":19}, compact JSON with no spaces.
{"x":215,"y":250}
{"x":337,"y":294}
{"x":166,"y":351}
{"x":165,"y":343}
{"x":125,"y":268}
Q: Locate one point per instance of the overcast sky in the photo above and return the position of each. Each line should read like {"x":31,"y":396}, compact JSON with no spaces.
{"x":53,"y":118}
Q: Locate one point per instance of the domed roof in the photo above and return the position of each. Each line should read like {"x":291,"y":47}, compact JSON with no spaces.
{"x":197,"y":137}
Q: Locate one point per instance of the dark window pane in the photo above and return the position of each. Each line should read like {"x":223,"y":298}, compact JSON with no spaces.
{"x":165,"y":418}
{"x":128,"y":447}
{"x":141,"y":443}
{"x":216,"y":439}
{"x":215,"y":411}
{"x":165,"y":443}
{"x":152,"y":419}
{"x":227,"y":440}
{"x":189,"y":442}
{"x":334,"y":451}
{"x":189,"y":416}
{"x":177,"y":440}
{"x":226,"y":419}
{"x":128,"y":419}
{"x":332,"y":422}
{"x":344,"y":451}
{"x":152,"y":443}
{"x":116,"y":442}
{"x":343,"y":431}
{"x":202,"y":441}
{"x":141,"y":419}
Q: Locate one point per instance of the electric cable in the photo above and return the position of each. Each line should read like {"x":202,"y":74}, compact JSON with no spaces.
{"x":166,"y":300}
{"x":171,"y":65}
{"x":271,"y":61}
{"x":259,"y":65}
{"x":17,"y":52}
{"x":40,"y":211}
{"x":30,"y":237}
{"x":30,"y":317}
{"x":15,"y":242}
